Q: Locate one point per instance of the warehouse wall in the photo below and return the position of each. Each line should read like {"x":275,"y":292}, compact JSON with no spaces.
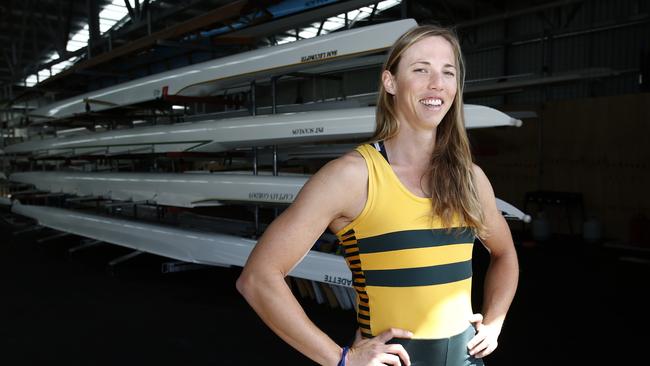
{"x":594,"y":146}
{"x":604,"y":37}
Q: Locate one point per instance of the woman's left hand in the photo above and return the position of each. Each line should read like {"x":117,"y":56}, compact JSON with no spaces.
{"x":485,"y":340}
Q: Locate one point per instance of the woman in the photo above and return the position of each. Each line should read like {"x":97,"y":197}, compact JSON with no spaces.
{"x":406,"y":210}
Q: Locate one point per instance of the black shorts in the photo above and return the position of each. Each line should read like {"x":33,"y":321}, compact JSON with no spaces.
{"x":450,"y":351}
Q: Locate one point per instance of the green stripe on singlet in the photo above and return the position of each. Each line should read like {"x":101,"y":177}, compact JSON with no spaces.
{"x":411,"y":239}
{"x":421,"y":276}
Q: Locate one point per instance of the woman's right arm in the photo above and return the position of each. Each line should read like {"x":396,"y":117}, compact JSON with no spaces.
{"x":336,"y":191}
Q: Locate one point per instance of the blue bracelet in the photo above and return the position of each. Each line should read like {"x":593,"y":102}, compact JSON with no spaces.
{"x":343,"y":354}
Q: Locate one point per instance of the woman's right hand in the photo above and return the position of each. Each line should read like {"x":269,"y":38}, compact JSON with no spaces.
{"x":375,"y":351}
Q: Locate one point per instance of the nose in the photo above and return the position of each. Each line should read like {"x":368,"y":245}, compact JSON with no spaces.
{"x":435,"y":80}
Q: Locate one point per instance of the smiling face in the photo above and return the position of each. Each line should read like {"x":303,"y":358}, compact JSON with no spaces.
{"x":424,"y":84}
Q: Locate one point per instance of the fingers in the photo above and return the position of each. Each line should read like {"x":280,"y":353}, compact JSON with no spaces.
{"x":477,"y":344}
{"x":389,"y":359}
{"x":483,"y":348}
{"x":400,"y":351}
{"x":391,"y":333}
{"x":484,"y":342}
{"x":381,"y":354}
{"x":489,"y":348}
{"x":375,"y":351}
{"x":478,"y":338}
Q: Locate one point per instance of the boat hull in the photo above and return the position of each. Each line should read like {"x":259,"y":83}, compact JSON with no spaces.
{"x":207,"y":78}
{"x":180,"y":244}
{"x":213,"y":136}
{"x":186,"y":189}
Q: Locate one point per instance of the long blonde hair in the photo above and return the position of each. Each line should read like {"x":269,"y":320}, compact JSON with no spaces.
{"x":452,"y":187}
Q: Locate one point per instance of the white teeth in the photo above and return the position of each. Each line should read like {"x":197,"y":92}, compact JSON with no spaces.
{"x":431,"y":102}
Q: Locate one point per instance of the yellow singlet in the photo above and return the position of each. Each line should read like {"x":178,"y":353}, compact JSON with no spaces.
{"x":408,"y":270}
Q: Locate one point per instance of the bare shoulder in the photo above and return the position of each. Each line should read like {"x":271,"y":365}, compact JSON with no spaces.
{"x":342,"y":174}
{"x":350,"y":166}
{"x":338,"y":190}
{"x":479,"y":174}
{"x":481,"y":180}
{"x":483,"y":187}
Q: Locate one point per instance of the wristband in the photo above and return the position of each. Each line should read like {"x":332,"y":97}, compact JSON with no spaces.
{"x":344,"y":353}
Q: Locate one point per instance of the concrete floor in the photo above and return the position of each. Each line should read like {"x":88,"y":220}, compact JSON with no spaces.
{"x":577,"y":304}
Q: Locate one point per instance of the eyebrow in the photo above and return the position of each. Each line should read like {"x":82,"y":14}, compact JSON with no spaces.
{"x":429,"y":63}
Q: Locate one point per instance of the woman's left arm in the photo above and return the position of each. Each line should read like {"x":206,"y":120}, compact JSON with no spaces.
{"x":502,"y":274}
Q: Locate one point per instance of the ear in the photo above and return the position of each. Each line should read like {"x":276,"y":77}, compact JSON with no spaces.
{"x":389,"y":82}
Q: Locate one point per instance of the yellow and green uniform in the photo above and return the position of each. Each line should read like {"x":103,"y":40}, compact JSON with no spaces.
{"x":409,"y":271}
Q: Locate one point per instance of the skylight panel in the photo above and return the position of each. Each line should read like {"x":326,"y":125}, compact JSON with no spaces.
{"x":43,"y":74}
{"x":307,"y":33}
{"x":352,"y":15}
{"x":30,"y":80}
{"x":108,"y":16}
{"x":116,"y":11}
{"x":338,"y":21}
